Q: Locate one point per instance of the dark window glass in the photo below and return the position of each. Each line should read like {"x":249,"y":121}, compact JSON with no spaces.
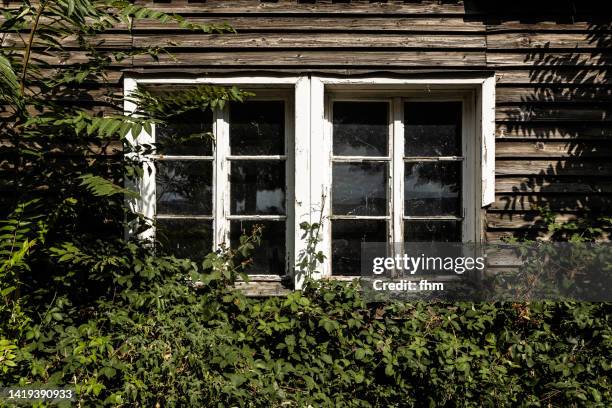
{"x":359,"y":188}
{"x":361,"y":128}
{"x":187,"y":134}
{"x":184,"y":187}
{"x":258,"y":187}
{"x":432,"y":188}
{"x":269,"y":257}
{"x":432,"y":128}
{"x":257,"y":128}
{"x":191,"y":239}
{"x":347,"y":236}
{"x":432,"y":231}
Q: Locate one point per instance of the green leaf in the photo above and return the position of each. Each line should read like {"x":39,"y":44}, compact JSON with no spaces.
{"x":102,"y":187}
{"x":9,"y":84}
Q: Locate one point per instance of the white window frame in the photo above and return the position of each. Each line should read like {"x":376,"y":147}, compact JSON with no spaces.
{"x":221,"y":158}
{"x":309,"y":167}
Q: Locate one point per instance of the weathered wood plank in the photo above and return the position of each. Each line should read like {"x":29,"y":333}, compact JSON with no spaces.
{"x":337,"y":23}
{"x":563,"y":203}
{"x":584,"y":74}
{"x":527,"y":112}
{"x":498,"y":236}
{"x":591,"y":131}
{"x":545,"y":184}
{"x":550,"y":59}
{"x":507,"y":220}
{"x":68,"y":58}
{"x":262,"y":289}
{"x":115,"y":41}
{"x":578,"y":167}
{"x":512,"y":41}
{"x":293,"y":7}
{"x":517,"y":25}
{"x":310,"y":40}
{"x":544,"y":148}
{"x":560,"y":93}
{"x":319,"y":58}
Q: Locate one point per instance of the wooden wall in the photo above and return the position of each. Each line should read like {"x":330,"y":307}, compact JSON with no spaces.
{"x":551,"y":61}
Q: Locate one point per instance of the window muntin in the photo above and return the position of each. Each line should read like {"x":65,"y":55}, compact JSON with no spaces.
{"x":424,"y":203}
{"x":226,"y":173}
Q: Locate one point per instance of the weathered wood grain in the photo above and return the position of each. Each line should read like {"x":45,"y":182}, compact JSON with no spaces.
{"x":576,"y":113}
{"x":523,"y":220}
{"x":579,"y":74}
{"x":262,"y":289}
{"x":553,"y":94}
{"x":544,"y":148}
{"x":499,"y":236}
{"x":304,"y":59}
{"x":515,"y":25}
{"x":512,"y":41}
{"x":324,"y":23}
{"x":546,"y":184}
{"x":564,"y":203}
{"x":549,"y":132}
{"x":293,"y":7}
{"x":310,"y":40}
{"x":577,"y":167}
{"x":115,"y":41}
{"x":551,"y":59}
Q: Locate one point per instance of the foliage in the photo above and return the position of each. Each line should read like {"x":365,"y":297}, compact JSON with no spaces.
{"x":151,"y":339}
{"x":128,"y":325}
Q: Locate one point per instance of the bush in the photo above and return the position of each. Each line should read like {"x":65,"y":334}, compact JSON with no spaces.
{"x":153,"y":340}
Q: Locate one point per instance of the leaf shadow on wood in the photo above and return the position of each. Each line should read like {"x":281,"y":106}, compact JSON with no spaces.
{"x":553,"y":129}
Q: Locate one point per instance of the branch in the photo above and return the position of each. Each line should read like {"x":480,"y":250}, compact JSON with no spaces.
{"x":26,"y":59}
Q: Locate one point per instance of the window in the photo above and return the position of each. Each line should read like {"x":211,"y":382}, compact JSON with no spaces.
{"x":397,"y":166}
{"x":219,"y":173}
{"x":377,"y":159}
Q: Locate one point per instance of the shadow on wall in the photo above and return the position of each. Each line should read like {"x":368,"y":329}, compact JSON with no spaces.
{"x":554,"y":126}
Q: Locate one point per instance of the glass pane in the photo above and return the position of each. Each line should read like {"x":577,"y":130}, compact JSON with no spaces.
{"x":361,"y":129}
{"x":269,"y":256}
{"x":359,"y":188}
{"x":432,"y":231}
{"x":257,"y":128}
{"x":432,"y":128}
{"x":347,"y":236}
{"x":184,"y":187}
{"x":258,"y":187}
{"x":432,"y":188}
{"x":187,"y":134}
{"x":185,"y":238}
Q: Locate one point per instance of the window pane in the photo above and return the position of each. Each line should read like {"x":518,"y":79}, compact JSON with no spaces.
{"x":186,"y":134}
{"x":184,"y":187}
{"x":432,"y":231}
{"x":269,"y":256}
{"x":257,"y":128}
{"x":361,"y":129}
{"x":432,"y":188}
{"x":347,"y":236}
{"x":258,"y":187}
{"x":432,"y":128}
{"x":359,"y":188}
{"x":185,"y":238}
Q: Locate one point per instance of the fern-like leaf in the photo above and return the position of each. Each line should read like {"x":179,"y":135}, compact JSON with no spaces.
{"x":9,"y":84}
{"x":101,"y":187}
